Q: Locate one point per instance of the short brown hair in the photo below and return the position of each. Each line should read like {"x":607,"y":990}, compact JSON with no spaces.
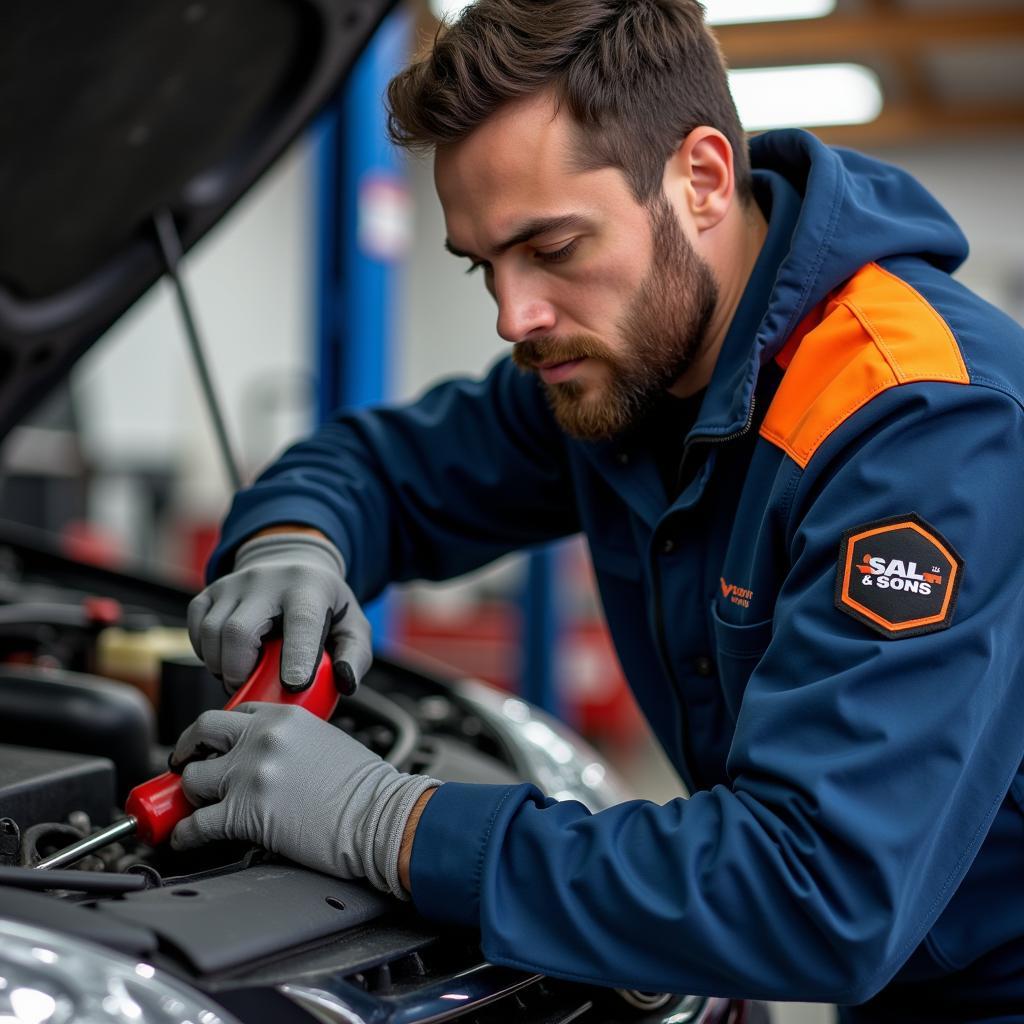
{"x":637,"y":76}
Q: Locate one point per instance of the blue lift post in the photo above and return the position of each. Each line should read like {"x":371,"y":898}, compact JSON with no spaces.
{"x":360,"y":214}
{"x":540,"y":631}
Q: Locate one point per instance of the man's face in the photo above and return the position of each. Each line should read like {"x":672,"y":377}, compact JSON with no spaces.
{"x":603,"y":298}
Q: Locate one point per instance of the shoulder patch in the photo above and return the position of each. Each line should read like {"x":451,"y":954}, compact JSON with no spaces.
{"x":899,"y":576}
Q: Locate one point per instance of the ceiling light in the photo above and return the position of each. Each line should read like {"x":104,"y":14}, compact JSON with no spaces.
{"x":812,"y":95}
{"x":729,"y":12}
{"x":448,"y":9}
{"x":719,"y":12}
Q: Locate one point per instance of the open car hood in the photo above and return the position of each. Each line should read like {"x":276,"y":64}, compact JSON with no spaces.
{"x":115,"y":111}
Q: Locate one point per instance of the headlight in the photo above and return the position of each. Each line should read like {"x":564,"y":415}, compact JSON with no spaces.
{"x":50,"y":978}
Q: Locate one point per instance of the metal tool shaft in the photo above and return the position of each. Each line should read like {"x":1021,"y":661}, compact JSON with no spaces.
{"x":76,"y":851}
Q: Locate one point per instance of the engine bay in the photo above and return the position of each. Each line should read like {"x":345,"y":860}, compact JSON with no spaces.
{"x":84,"y":717}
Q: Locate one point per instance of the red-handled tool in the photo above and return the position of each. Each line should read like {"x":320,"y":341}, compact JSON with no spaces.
{"x":155,"y":807}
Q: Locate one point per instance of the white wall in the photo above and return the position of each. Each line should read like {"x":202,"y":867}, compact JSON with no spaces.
{"x":448,"y":319}
{"x":251,"y":285}
{"x":980,"y":185}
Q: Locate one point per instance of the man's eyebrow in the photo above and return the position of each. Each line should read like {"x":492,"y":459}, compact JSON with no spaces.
{"x":532,"y":228}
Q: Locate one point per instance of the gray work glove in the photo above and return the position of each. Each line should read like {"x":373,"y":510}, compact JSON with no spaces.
{"x":296,"y":581}
{"x":298,"y":786}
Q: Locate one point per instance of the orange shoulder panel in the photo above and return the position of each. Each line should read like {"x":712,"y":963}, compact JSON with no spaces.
{"x":874,"y":333}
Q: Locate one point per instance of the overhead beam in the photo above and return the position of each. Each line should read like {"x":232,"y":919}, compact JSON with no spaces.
{"x":909,"y":125}
{"x":843,"y":36}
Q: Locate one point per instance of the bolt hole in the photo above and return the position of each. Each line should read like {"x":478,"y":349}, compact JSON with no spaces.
{"x":184,"y":892}
{"x":333,"y":901}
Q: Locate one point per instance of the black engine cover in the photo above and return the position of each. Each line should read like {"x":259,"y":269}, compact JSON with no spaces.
{"x":47,"y":785}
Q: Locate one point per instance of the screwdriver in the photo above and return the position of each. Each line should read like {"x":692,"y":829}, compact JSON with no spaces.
{"x":153,"y":808}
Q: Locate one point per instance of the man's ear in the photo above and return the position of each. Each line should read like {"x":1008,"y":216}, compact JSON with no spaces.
{"x":699,"y":176}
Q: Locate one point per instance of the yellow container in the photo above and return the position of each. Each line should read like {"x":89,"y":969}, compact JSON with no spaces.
{"x":134,"y":656}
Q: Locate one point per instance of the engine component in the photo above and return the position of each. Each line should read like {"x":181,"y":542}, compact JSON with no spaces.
{"x":219,"y":919}
{"x":134,"y":655}
{"x":47,"y":785}
{"x":10,"y":842}
{"x":61,"y":710}
{"x":187,"y":689}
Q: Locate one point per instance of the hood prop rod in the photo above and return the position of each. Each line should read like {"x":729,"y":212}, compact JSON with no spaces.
{"x":170,"y":247}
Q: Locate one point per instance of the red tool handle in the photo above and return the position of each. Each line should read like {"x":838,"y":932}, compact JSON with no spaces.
{"x":158,"y":805}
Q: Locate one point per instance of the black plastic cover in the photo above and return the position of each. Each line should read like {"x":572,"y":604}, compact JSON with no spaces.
{"x":233,"y":919}
{"x":74,"y":919}
{"x":72,"y":711}
{"x":47,"y":785}
{"x":114,"y":111}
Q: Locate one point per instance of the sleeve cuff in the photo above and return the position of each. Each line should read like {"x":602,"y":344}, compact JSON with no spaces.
{"x":239,"y":527}
{"x":449,"y":849}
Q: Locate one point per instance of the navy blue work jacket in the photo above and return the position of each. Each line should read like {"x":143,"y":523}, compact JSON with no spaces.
{"x":847,"y":556}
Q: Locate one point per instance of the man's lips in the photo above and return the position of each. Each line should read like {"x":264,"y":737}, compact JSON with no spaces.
{"x":555,"y":373}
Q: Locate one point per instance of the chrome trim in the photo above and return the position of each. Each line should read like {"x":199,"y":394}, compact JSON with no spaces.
{"x":688,"y":1009}
{"x":338,"y":1002}
{"x":548,"y":753}
{"x":648,"y":1001}
{"x":326,"y":1007}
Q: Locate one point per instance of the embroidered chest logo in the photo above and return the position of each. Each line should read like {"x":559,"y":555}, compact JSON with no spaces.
{"x":737,"y":595}
{"x":899,"y":576}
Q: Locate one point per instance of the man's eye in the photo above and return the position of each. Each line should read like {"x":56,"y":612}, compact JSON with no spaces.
{"x":560,"y":254}
{"x":476,"y":265}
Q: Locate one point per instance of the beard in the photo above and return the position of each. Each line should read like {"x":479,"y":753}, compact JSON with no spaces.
{"x":663,"y":330}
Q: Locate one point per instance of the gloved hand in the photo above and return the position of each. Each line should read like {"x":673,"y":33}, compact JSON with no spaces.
{"x":298,"y":786}
{"x":297,"y":581}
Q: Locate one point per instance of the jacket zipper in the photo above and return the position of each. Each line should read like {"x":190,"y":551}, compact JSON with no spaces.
{"x":710,"y":439}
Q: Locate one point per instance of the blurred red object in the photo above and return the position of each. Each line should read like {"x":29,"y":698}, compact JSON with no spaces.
{"x":86,"y":542}
{"x":198,"y":542}
{"x":483,"y":641}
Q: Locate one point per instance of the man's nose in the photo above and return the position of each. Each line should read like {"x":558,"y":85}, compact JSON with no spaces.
{"x":521,"y":312}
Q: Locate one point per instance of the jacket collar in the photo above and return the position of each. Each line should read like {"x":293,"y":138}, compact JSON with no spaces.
{"x":727,"y":406}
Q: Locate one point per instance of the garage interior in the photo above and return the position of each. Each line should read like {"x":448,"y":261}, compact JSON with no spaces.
{"x":122,"y":467}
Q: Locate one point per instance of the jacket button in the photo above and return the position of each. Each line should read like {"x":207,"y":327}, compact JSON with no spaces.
{"x":622,"y":458}
{"x":704,"y":666}
{"x":668,"y":546}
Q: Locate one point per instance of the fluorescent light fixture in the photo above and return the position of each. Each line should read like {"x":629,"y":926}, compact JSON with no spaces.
{"x":449,"y":9}
{"x":731,"y":12}
{"x":719,"y":12}
{"x":810,"y":95}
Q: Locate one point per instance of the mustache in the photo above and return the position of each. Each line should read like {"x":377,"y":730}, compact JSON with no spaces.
{"x":537,"y":352}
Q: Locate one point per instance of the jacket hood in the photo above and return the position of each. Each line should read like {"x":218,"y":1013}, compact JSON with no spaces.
{"x":855,"y":210}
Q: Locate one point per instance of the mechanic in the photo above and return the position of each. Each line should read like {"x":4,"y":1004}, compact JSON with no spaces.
{"x":795,"y":446}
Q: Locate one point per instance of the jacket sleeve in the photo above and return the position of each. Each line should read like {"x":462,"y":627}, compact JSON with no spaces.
{"x":865,"y":771}
{"x":470,"y":471}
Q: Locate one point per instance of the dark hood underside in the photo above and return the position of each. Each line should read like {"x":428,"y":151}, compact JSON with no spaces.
{"x":114,"y":111}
